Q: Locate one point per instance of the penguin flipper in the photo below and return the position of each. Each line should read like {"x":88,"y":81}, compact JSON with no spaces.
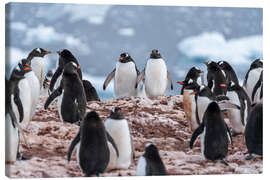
{"x":74,"y":142}
{"x":54,"y":95}
{"x":170,"y":79}
{"x":108,"y":79}
{"x":55,"y":76}
{"x":229,"y":134}
{"x":256,"y":87}
{"x":139,"y":78}
{"x":196,"y":133}
{"x":18,"y":102}
{"x":110,"y":139}
{"x":13,"y":117}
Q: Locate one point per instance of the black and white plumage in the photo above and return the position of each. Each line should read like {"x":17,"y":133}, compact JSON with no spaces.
{"x":93,"y":151}
{"x":238,"y":117}
{"x":36,"y":59}
{"x":254,"y":131}
{"x":124,"y":74}
{"x":73,"y":100}
{"x":117,"y":126}
{"x":229,"y":72}
{"x":155,"y":75}
{"x":216,"y":80}
{"x":215,"y":135}
{"x":150,"y":164}
{"x":90,"y":91}
{"x":253,"y":75}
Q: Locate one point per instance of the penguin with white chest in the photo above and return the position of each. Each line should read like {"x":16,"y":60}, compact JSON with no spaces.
{"x":151,"y":164}
{"x":93,"y":149}
{"x":254,"y":131}
{"x":36,"y":59}
{"x":156,"y":76}
{"x":125,"y":74}
{"x":191,"y":83}
{"x":73,"y":101}
{"x":215,"y":135}
{"x":47,"y":81}
{"x":238,"y":117}
{"x":252,"y":77}
{"x":117,"y":127}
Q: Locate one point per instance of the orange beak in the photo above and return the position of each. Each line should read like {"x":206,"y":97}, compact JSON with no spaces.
{"x":194,"y":92}
{"x":27,"y":68}
{"x":121,"y":58}
{"x":180,"y":82}
{"x":47,"y":52}
{"x":48,"y":80}
{"x":205,"y":63}
{"x":223,"y":85}
{"x":201,"y":71}
{"x":79,"y":67}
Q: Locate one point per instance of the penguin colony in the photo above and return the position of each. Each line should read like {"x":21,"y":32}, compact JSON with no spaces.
{"x":107,"y":146}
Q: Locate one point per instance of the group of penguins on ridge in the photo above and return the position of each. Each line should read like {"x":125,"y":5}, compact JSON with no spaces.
{"x":105,"y":146}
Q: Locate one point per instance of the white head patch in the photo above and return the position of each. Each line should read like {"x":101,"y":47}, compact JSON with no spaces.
{"x":148,"y":144}
{"x":232,"y":83}
{"x":197,"y":68}
{"x":202,"y":87}
{"x":38,"y":50}
{"x":74,"y":64}
{"x":190,"y":81}
{"x":127,"y":54}
{"x":220,"y":63}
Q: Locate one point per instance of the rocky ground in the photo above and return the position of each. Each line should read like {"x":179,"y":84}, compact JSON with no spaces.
{"x":161,"y":121}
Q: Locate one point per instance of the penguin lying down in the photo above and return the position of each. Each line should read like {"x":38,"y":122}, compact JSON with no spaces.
{"x":96,"y":149}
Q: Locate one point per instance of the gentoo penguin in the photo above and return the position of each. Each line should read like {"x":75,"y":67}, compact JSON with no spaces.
{"x":29,"y":91}
{"x":216,"y":80}
{"x":117,"y":127}
{"x":191,"y":83}
{"x":252,"y":77}
{"x":47,"y":81}
{"x":73,"y":101}
{"x":90,"y":91}
{"x":37,"y":62}
{"x":215,"y":134}
{"x":230,"y":74}
{"x":125,"y":74}
{"x":238,"y":117}
{"x":150,"y":163}
{"x":93,"y":152}
{"x":12,"y":118}
{"x":254,"y":131}
{"x":257,"y":93}
{"x":156,"y":76}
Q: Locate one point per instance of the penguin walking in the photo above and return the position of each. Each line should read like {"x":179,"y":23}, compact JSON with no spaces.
{"x":150,"y":164}
{"x":216,"y":80}
{"x":215,"y":135}
{"x":156,"y":76}
{"x":254,"y":131}
{"x":93,"y":153}
{"x":238,"y":117}
{"x":117,"y":127}
{"x":191,"y":83}
{"x":229,"y":72}
{"x":252,"y":77}
{"x":125,"y":74}
{"x":37,"y":61}
{"x":73,"y":102}
{"x":29,"y":91}
{"x":65,"y":56}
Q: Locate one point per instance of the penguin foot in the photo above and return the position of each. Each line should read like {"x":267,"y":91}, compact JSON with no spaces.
{"x":249,"y":157}
{"x":235,"y":134}
{"x":21,"y":157}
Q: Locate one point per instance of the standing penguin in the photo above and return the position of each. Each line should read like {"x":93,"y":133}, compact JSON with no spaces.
{"x":254,"y":131}
{"x":252,"y":77}
{"x":191,"y":83}
{"x":93,"y":153}
{"x":238,"y":117}
{"x":150,"y":164}
{"x":156,"y":76}
{"x":215,"y":134}
{"x":117,"y":127}
{"x":37,"y":61}
{"x":216,"y":80}
{"x":230,"y":74}
{"x":47,"y":81}
{"x":125,"y":74}
{"x":73,"y":100}
{"x":29,"y":91}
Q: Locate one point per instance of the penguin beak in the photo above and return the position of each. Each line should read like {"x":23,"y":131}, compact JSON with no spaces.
{"x":47,"y":52}
{"x":79,"y":67}
{"x":223,"y":85}
{"x":121,"y":58}
{"x":27,"y":68}
{"x":205,"y":63}
{"x":193,"y":93}
{"x":180,"y":82}
{"x":201,"y":71}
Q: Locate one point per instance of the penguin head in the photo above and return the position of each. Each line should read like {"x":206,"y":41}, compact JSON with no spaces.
{"x":124,"y":58}
{"x":193,"y":73}
{"x":151,"y":151}
{"x":66,"y":56}
{"x":155,"y":54}
{"x":49,"y":73}
{"x":117,"y":113}
{"x":39,"y":52}
{"x":212,"y":66}
{"x":92,"y":120}
{"x":225,"y":66}
{"x":71,"y":69}
{"x":256,"y":64}
{"x":214,"y":112}
{"x":24,"y":66}
{"x":203,"y":91}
